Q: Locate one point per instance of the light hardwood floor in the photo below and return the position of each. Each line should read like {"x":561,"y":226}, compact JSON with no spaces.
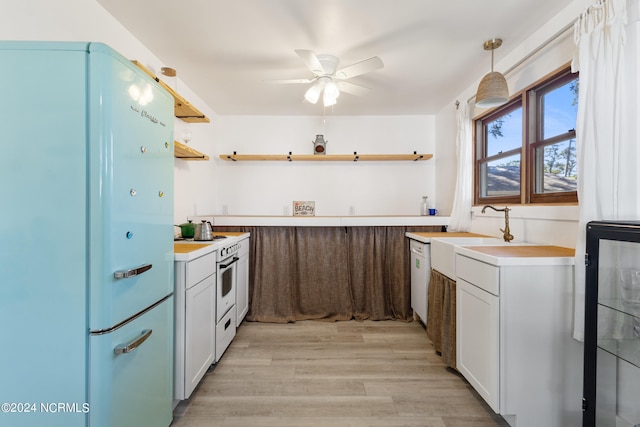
{"x":315,"y":374}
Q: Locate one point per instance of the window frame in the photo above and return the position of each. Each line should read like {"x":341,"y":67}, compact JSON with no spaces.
{"x":481,"y":157}
{"x":532,"y":126}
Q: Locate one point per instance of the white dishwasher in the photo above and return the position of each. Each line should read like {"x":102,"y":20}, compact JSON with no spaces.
{"x":420,"y":268}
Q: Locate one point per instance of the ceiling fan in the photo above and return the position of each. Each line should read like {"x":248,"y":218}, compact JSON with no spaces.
{"x":329,"y":80}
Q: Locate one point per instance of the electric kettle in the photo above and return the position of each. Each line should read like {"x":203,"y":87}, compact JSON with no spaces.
{"x":203,"y":231}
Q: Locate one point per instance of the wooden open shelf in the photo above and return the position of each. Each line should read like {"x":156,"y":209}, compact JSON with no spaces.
{"x":181,"y":151}
{"x":183,"y":109}
{"x":326,"y":157}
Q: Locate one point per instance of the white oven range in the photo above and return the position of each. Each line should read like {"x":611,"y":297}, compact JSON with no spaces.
{"x":226,"y":271}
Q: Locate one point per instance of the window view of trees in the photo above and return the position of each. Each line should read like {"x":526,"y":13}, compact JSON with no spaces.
{"x":559,"y":106}
{"x":550,"y":145}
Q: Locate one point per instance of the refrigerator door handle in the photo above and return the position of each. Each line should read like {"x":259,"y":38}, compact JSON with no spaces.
{"x":128,"y":348}
{"x":125,"y":274}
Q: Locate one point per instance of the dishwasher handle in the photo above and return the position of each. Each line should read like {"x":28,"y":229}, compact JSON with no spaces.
{"x":417,"y":251}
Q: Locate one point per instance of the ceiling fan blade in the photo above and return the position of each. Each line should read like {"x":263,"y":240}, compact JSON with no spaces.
{"x":287,"y":81}
{"x":359,"y":68}
{"x":311,"y":60}
{"x":352,"y":89}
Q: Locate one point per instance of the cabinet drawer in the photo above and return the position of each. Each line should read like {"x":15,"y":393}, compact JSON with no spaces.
{"x":225,"y":331}
{"x":200,"y":268}
{"x":483,"y":275}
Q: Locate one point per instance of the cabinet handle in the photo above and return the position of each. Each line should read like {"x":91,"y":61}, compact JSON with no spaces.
{"x":128,"y":348}
{"x":125,"y":274}
{"x":226,"y":325}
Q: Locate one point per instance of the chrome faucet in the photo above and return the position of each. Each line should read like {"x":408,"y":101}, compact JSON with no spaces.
{"x":506,"y":232}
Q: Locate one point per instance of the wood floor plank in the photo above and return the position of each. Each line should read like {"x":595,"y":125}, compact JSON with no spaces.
{"x":316,"y":373}
{"x":293,"y":406}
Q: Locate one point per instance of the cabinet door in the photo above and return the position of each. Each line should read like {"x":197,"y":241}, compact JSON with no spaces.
{"x":612,"y":327}
{"x":477,"y":328}
{"x":200,"y":332}
{"x":242,"y":288}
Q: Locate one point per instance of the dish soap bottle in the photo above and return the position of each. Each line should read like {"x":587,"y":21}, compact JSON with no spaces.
{"x":424,"y":207}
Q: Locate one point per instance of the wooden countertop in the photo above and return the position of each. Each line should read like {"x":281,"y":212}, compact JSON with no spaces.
{"x":183,"y":248}
{"x":187,"y":250}
{"x":507,"y":251}
{"x":329,"y":221}
{"x":426,"y":236}
{"x":431,"y":234}
{"x":519,"y":254}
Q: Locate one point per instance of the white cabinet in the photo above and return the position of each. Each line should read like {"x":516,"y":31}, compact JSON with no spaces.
{"x":242,"y":282}
{"x":200,"y":332}
{"x":195,"y":340}
{"x":477,"y":336}
{"x":514,"y":338}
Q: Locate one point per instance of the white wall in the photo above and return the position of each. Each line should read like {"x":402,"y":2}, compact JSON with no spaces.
{"x":268,"y":188}
{"x":257,"y":188}
{"x":538,"y":224}
{"x":265,"y":188}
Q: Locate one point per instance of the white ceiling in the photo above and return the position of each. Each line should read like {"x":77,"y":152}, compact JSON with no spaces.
{"x":225,"y":50}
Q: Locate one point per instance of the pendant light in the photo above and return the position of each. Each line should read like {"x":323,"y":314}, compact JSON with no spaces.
{"x":493,"y":90}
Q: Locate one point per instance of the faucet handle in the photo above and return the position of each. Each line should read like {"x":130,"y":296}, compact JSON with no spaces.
{"x":507,"y":235}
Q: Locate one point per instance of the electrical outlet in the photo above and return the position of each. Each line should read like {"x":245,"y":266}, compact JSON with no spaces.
{"x":352,"y":210}
{"x":225,"y":210}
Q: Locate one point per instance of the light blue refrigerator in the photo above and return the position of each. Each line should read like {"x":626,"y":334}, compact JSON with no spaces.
{"x":86,"y":239}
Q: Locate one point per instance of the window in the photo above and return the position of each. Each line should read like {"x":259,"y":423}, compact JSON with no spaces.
{"x":526,"y":149}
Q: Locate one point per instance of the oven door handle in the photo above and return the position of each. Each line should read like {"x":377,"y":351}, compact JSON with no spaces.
{"x":235,"y":259}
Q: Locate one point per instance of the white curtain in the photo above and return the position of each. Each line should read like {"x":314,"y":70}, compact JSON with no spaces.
{"x":605,"y":135}
{"x":461,"y":210}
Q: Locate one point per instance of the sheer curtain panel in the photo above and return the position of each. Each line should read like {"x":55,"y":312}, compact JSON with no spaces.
{"x":461,"y":210}
{"x":605,"y":129}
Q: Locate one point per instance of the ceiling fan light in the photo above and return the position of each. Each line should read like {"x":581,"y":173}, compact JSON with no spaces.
{"x":313,"y":94}
{"x":492,"y":91}
{"x":331,"y":90}
{"x":329,"y":101}
{"x":331,"y":94}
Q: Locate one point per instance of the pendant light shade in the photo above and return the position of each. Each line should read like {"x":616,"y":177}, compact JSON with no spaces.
{"x":493,"y":90}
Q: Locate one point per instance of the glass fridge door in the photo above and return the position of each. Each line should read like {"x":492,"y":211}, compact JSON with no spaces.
{"x":615,"y":322}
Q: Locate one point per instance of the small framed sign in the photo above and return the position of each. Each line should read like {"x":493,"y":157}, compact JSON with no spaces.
{"x":304,"y":208}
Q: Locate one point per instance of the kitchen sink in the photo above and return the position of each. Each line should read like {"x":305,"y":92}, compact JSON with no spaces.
{"x":443,"y":254}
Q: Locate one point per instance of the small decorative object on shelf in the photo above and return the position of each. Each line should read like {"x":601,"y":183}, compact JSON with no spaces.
{"x":319,"y":145}
{"x":304,"y":208}
{"x":424,"y":206}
